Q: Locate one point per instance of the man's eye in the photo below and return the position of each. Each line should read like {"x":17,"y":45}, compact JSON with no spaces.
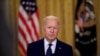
{"x":55,"y":27}
{"x":49,"y":27}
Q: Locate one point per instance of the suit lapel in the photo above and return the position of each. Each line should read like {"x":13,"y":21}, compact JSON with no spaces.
{"x":42,"y":48}
{"x":58,"y":48}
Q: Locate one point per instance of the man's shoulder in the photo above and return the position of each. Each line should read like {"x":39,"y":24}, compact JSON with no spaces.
{"x":61,"y":43}
{"x":36,"y":43}
{"x":65,"y":49}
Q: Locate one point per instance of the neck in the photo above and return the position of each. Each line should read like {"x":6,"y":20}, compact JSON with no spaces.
{"x":50,"y":40}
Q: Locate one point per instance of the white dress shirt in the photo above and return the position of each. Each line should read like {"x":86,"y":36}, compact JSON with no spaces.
{"x":53,"y":47}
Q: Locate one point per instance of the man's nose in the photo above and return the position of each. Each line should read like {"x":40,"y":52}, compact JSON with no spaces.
{"x":52,"y":30}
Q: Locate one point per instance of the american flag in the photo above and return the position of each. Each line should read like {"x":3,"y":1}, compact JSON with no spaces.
{"x":28,"y":24}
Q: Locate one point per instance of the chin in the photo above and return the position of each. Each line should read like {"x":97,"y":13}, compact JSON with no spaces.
{"x":52,"y":38}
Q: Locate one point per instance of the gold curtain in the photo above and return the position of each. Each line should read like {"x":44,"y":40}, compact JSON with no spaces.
{"x":13,"y":11}
{"x":97,"y":16}
{"x":64,"y":9}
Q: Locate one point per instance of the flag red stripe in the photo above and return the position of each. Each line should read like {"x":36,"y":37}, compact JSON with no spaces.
{"x":22,"y":47}
{"x":37,"y":15}
{"x":23,"y":34}
{"x":33,"y":25}
{"x":22,"y":18}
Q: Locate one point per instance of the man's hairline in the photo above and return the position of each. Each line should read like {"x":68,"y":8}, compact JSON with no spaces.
{"x":48,"y":18}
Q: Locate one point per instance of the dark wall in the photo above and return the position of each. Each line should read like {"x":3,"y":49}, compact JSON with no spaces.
{"x":6,"y":44}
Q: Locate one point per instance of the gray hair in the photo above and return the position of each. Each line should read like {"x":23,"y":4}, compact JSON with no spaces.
{"x":51,"y":17}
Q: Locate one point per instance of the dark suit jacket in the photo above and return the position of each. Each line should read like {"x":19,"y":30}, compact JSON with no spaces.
{"x":37,"y":49}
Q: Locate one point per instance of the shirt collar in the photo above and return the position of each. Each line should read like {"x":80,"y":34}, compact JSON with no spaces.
{"x":53,"y":43}
{"x":53,"y":47}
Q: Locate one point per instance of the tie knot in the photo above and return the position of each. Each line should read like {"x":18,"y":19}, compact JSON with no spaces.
{"x":50,"y":45}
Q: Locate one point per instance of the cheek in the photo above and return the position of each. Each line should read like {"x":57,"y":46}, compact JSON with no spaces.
{"x":46,"y":31}
{"x":56,"y":31}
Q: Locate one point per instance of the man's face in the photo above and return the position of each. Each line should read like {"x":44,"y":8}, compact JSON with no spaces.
{"x":51,"y":29}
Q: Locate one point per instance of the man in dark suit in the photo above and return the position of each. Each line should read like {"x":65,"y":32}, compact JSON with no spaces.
{"x":49,"y":45}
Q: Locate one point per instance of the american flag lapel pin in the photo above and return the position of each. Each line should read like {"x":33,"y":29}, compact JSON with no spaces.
{"x":59,"y":48}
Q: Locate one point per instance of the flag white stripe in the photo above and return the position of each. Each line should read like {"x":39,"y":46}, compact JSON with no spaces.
{"x":22,"y":41}
{"x":24,"y":13}
{"x":35,"y":20}
{"x":33,"y":32}
{"x":28,"y":37}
